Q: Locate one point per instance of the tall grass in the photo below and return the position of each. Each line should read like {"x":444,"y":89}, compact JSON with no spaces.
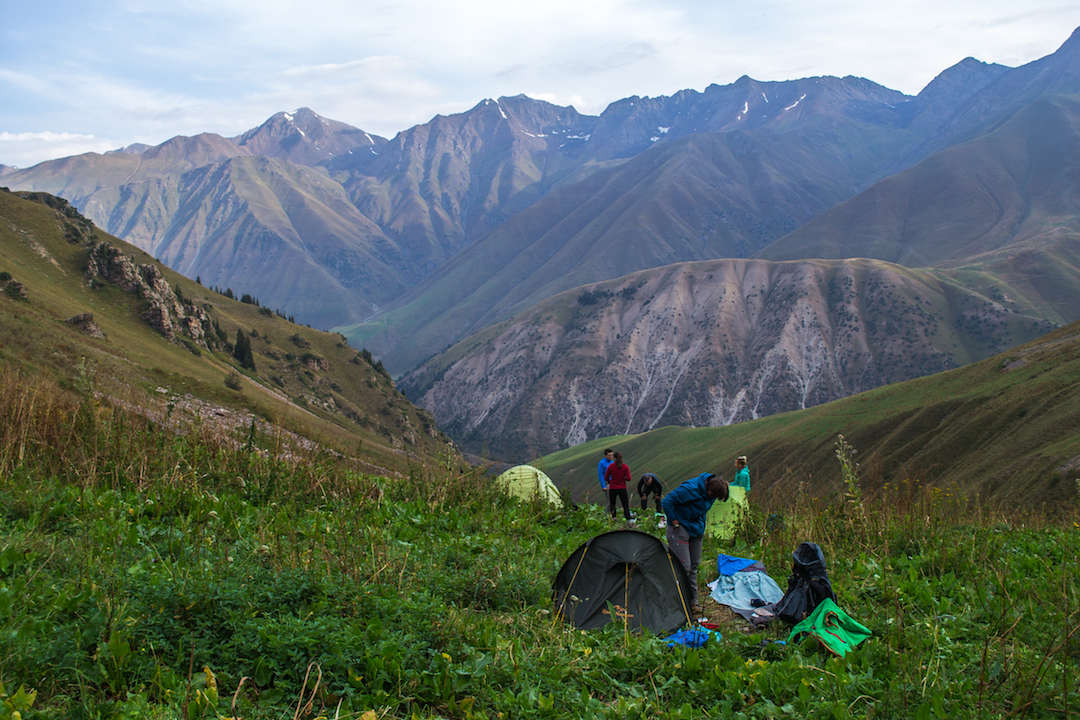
{"x":146,"y":572}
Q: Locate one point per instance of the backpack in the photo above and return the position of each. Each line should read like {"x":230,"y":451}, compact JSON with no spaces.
{"x":808,"y":584}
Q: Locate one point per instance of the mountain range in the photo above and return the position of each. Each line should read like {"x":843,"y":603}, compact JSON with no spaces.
{"x":412,"y":244}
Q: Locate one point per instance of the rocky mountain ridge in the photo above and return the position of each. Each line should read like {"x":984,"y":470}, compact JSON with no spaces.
{"x":438,"y":187}
{"x":705,"y":344}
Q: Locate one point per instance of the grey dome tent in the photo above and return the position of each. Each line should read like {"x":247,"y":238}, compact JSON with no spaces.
{"x":632,"y":571}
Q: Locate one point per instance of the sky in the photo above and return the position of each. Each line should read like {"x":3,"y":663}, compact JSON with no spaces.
{"x":82,"y":75}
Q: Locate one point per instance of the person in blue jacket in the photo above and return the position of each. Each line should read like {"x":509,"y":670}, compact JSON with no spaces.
{"x":602,"y":466}
{"x":686,"y":507}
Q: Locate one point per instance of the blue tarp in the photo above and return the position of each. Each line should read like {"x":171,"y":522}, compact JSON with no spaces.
{"x":693,"y":637}
{"x":729,"y":564}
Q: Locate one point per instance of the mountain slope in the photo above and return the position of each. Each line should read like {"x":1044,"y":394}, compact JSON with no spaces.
{"x":283,"y":232}
{"x":83,"y":307}
{"x":442,"y":184}
{"x":995,"y":102}
{"x":702,"y":196}
{"x":287,"y":232}
{"x":1006,"y":429}
{"x":81,"y":178}
{"x":707,"y":343}
{"x":239,"y":213}
{"x":1006,"y":186}
{"x":436,"y":186}
{"x":631,"y":125}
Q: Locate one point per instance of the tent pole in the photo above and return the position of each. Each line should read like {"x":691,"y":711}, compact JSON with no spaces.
{"x":558,"y":615}
{"x":682,"y":599}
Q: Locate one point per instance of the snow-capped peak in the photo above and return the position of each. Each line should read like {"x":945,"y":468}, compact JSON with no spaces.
{"x":489,"y":101}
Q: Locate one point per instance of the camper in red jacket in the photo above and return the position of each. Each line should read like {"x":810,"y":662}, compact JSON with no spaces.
{"x":618,"y":479}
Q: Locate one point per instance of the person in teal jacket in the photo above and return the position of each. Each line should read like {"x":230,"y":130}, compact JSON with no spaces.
{"x":742,"y":473}
{"x":686,"y":507}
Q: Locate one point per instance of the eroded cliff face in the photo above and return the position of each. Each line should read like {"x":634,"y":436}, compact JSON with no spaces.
{"x":704,"y":344}
{"x":163,"y":310}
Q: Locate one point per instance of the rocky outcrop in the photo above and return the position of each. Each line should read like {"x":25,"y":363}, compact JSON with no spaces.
{"x":13,"y":288}
{"x":85,"y":323}
{"x":163,"y":310}
{"x":78,"y":229}
{"x":314,"y":363}
{"x":704,"y":344}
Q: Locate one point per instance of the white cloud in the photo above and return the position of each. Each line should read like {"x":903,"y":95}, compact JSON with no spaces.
{"x":23,"y":149}
{"x":384,"y":66}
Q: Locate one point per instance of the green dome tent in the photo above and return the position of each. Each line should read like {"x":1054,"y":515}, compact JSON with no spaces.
{"x":526,"y":482}
{"x":724,"y":517}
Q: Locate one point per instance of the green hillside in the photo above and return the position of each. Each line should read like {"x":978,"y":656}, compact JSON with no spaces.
{"x":1006,"y":429}
{"x":311,"y":385}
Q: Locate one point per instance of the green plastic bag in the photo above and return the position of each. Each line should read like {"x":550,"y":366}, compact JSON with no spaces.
{"x":834,"y":628}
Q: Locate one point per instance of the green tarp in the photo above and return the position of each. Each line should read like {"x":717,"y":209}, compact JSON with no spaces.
{"x":526,"y":482}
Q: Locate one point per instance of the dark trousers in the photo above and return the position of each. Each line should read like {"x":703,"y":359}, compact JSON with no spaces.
{"x":645,"y":500}
{"x":623,"y":497}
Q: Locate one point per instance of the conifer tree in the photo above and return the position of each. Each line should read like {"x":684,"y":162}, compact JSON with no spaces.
{"x":242,"y":350}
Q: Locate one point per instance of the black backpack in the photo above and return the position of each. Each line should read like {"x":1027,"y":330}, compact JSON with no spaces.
{"x":808,"y":584}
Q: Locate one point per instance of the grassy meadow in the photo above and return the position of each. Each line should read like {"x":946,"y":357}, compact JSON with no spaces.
{"x":149,"y":574}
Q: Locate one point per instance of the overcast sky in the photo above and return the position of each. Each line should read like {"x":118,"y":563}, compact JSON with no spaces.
{"x":77,"y":76}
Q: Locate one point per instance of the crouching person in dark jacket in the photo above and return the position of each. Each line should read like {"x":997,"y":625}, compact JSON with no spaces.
{"x":648,"y":484}
{"x":686,"y":507}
